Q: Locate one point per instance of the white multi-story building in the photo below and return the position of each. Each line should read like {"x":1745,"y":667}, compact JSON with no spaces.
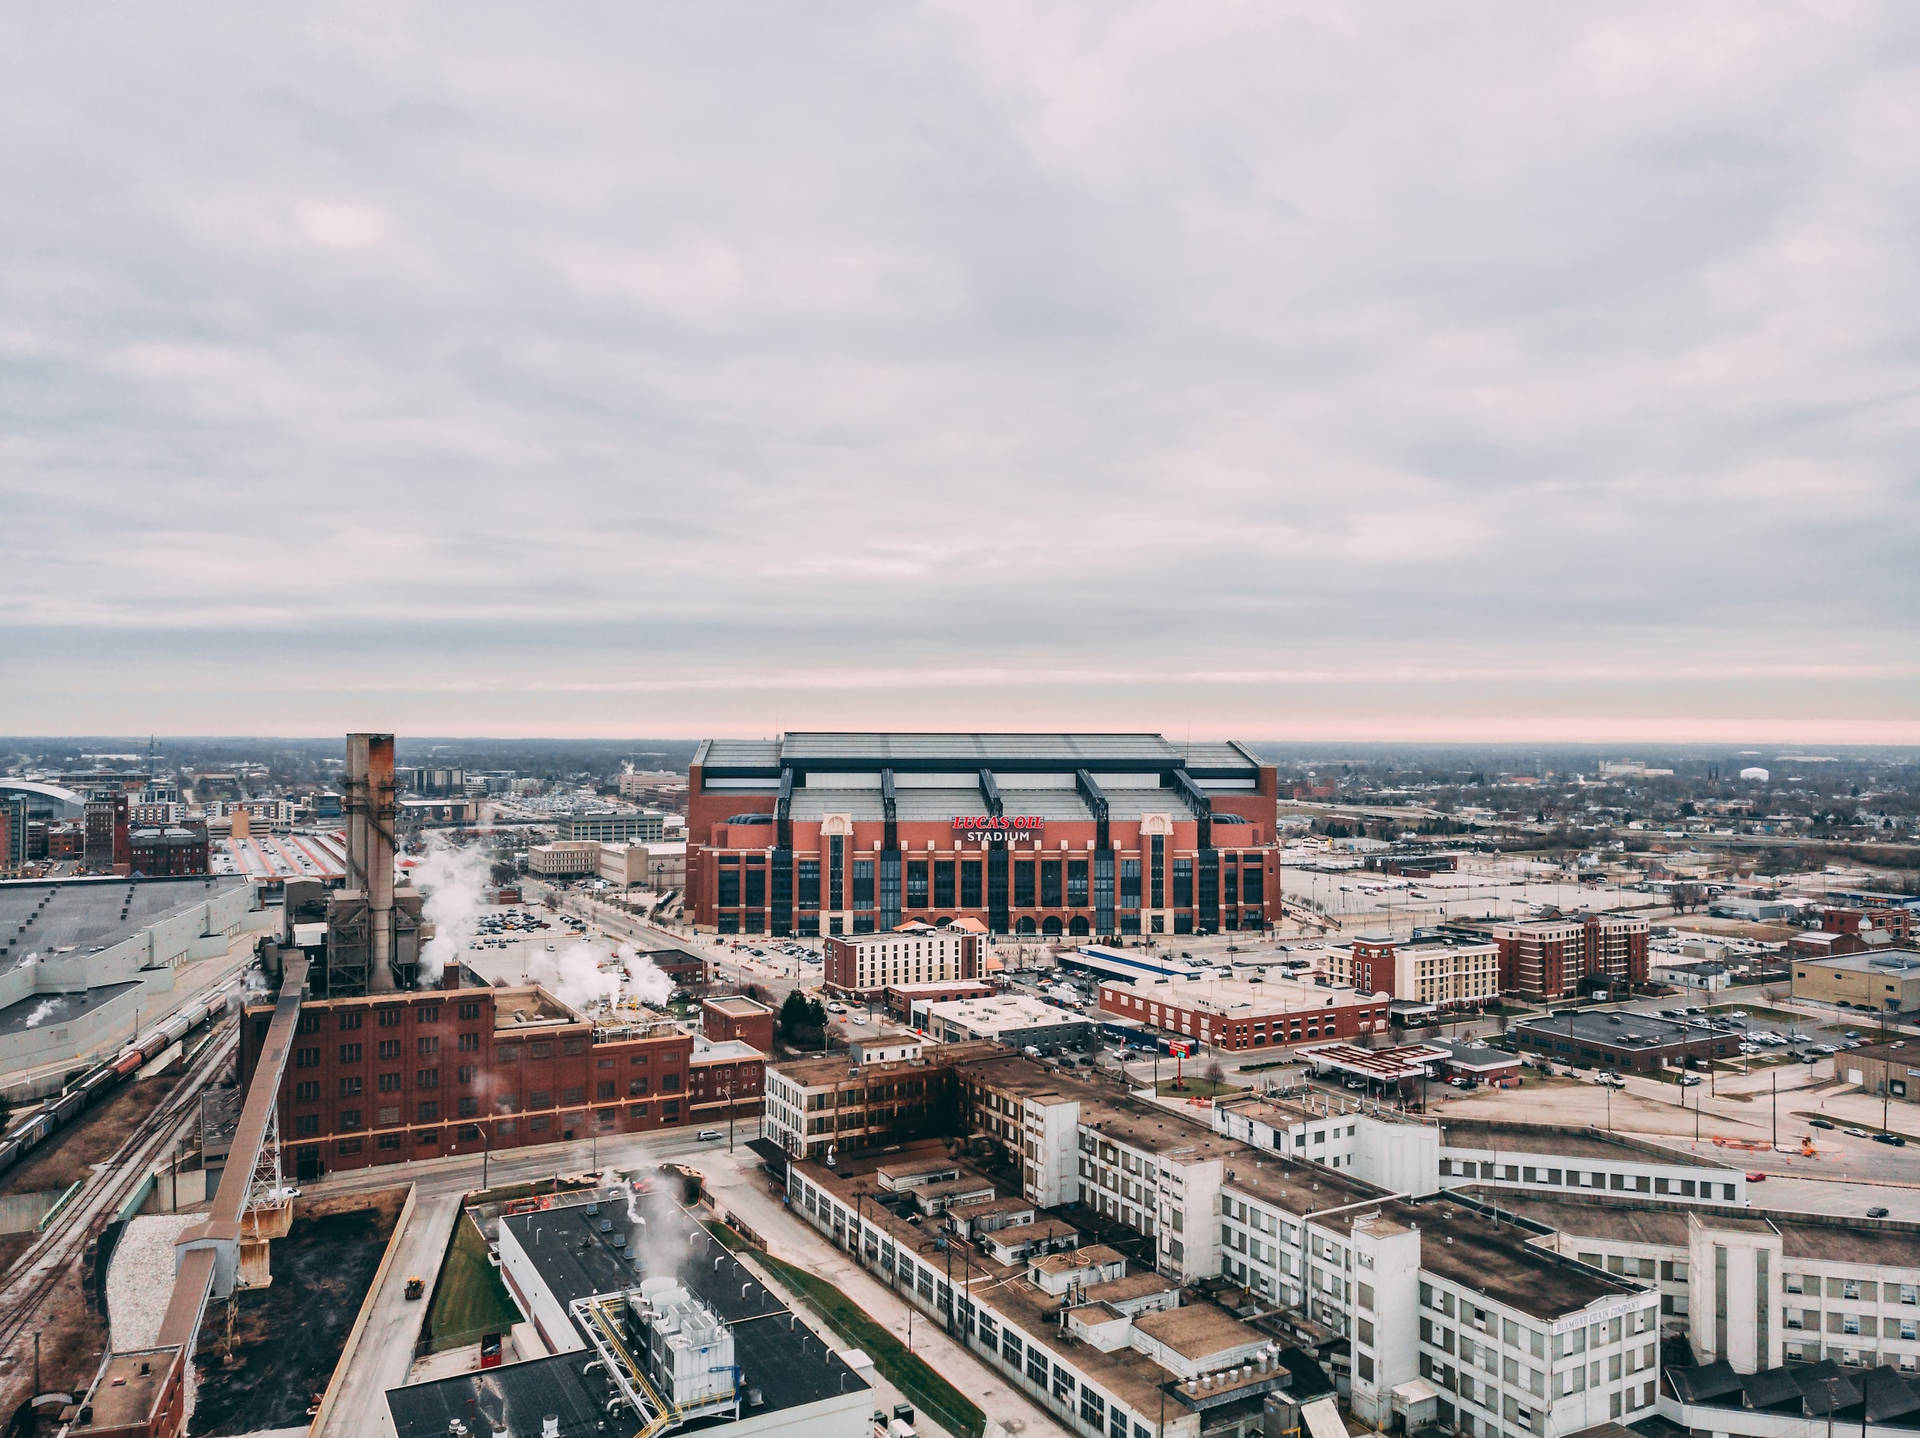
{"x":1445,"y":971}
{"x":1757,"y":1289}
{"x":915,"y":953}
{"x":1510,"y":1340}
{"x":1103,"y":1352}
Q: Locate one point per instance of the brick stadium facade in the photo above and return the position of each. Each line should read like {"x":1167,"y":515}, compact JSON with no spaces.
{"x":395,"y":1076}
{"x":1046,"y":834}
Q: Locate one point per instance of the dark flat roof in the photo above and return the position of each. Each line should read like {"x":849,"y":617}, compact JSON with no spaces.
{"x":787,"y":1362}
{"x":38,"y":1011}
{"x":1598,"y":1027}
{"x":510,"y":1400}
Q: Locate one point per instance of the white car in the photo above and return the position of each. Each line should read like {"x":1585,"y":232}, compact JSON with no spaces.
{"x":836,"y":1008}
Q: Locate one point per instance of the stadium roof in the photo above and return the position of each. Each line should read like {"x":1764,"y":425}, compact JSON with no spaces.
{"x":936,"y":753}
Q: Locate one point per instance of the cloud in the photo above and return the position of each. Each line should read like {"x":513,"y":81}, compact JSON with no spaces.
{"x":584,"y":367}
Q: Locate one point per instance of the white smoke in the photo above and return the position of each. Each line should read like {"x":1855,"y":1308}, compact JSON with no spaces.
{"x":453,"y":882}
{"x":593,"y":975}
{"x":41,"y":1012}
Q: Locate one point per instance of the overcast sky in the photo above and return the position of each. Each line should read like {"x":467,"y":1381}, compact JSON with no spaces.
{"x":1496,"y":371}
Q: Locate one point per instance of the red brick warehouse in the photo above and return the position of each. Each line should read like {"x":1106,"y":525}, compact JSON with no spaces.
{"x":395,"y":1076}
{"x":1054,"y":834}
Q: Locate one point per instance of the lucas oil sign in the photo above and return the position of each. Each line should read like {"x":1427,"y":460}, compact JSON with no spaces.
{"x":1000,"y":829}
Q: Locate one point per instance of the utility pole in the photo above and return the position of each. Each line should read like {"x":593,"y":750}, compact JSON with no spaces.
{"x":1776,"y":1110}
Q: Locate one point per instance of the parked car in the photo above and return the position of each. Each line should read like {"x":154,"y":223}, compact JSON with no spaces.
{"x":1876,"y":1212}
{"x":709,"y":1135}
{"x":1821,"y":1122}
{"x":1756,"y":1177}
{"x":1855,"y":1132}
{"x":1897,"y":1140}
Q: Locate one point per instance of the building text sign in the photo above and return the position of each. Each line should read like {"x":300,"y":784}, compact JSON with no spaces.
{"x":1000,"y":829}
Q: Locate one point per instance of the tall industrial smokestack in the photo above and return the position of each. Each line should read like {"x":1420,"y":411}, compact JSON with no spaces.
{"x":369,"y":802}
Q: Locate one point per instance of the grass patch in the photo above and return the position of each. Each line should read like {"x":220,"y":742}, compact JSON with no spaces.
{"x":1773,"y":1016}
{"x":908,"y":1372}
{"x":470,"y":1298}
{"x":1197,"y":1088}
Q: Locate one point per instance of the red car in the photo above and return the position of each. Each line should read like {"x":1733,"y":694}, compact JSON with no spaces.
{"x":1756,"y":1178}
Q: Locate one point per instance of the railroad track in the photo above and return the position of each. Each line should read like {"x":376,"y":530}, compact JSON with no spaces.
{"x":39,"y":1270}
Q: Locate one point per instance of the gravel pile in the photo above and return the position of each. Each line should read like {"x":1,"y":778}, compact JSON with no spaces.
{"x":140,"y":1278}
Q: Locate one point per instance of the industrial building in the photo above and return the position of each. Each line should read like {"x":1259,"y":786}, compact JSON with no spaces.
{"x":1439,"y":970}
{"x":862,"y":965}
{"x":1889,"y":1069}
{"x":1242,"y":1013}
{"x":387,"y":1077}
{"x":673,"y":1330}
{"x":1887,"y":981}
{"x":82,"y":960}
{"x":1043,"y":834}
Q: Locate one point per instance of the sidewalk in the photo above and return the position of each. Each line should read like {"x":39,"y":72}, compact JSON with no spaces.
{"x":738,"y":1187}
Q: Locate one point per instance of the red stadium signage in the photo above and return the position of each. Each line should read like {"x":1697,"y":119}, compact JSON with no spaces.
{"x":1000,"y":829}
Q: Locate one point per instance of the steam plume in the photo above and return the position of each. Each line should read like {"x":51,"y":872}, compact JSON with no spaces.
{"x":453,"y":884}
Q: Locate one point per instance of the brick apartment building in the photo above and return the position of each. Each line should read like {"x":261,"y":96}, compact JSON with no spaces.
{"x":109,"y":849}
{"x":171,"y":851}
{"x":1043,"y":834}
{"x":1549,"y":959}
{"x":866,"y":964}
{"x":389,"y":1077}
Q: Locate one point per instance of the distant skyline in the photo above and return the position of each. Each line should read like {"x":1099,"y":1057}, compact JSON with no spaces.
{"x":1508,"y":373}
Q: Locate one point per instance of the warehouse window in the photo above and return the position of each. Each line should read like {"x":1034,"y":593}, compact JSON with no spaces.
{"x":806,"y":881}
{"x":729,"y":887}
{"x":1077,"y":883}
{"x":1182,"y":883}
{"x":970,"y":886}
{"x":917,"y":884}
{"x":1023,"y":885}
{"x":942,"y":883}
{"x":863,"y":883}
{"x":1158,"y":873}
{"x":1130,"y":887}
{"x":1050,"y":884}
